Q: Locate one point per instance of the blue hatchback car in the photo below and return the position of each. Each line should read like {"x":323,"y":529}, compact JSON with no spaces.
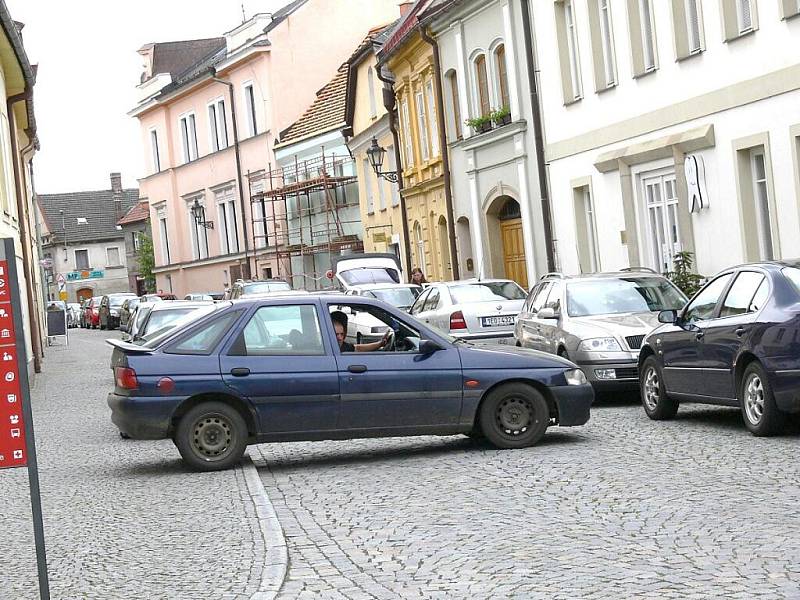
{"x":736,"y":343}
{"x":273,"y":370}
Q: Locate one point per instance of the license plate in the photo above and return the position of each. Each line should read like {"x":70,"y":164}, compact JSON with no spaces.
{"x":498,"y":321}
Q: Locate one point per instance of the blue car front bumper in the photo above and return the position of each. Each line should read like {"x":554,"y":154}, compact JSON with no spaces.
{"x":573,"y":403}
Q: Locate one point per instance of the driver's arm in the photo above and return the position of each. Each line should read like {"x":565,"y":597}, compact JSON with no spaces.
{"x":374,"y":345}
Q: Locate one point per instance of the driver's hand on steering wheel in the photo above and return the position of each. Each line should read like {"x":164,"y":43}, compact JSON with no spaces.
{"x":386,"y":337}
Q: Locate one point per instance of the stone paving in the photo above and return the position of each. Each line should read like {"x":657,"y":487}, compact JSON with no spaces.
{"x":123,"y":519}
{"x":621,"y":508}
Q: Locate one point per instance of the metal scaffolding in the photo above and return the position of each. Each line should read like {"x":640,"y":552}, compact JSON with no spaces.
{"x":297,"y":217}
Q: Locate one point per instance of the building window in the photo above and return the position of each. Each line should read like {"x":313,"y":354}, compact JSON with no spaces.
{"x":693,"y":25}
{"x":455,"y":108}
{"x":188,"y":129}
{"x":643,"y":37}
{"x":739,"y":17}
{"x":81,"y":260}
{"x":661,"y":220}
{"x":218,"y":125}
{"x":790,"y":8}
{"x":154,"y":149}
{"x":250,"y":109}
{"x":393,"y":167}
{"x":502,"y":75}
{"x":419,"y":244}
{"x":762,"y":204}
{"x":606,"y":74}
{"x":136,"y":241}
{"x":568,"y":52}
{"x":164,"y":233}
{"x":646,"y":18}
{"x":422,"y":125}
{"x":260,"y":232}
{"x":405,"y":123}
{"x":586,"y":225}
{"x":373,"y":105}
{"x":228,"y":224}
{"x":112,"y":257}
{"x":482,"y":81}
{"x":368,"y":187}
{"x":687,"y":20}
{"x":198,"y":232}
{"x":431,"y":102}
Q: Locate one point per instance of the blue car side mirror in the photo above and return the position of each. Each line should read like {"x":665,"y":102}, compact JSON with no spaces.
{"x":428,"y":347}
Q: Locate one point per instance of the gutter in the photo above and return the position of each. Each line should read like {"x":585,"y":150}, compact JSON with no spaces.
{"x":239,"y":181}
{"x":536,"y":109}
{"x":390,"y":103}
{"x":448,"y":192}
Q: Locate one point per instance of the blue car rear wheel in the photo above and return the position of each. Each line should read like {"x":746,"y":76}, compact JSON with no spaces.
{"x":212,"y":436}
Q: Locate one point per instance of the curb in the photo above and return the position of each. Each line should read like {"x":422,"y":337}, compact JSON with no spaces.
{"x":276,"y":557}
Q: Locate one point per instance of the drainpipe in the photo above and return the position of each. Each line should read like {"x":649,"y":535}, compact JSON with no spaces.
{"x":448,"y":192}
{"x":536,"y":109}
{"x":33,"y":323}
{"x":238,"y":174}
{"x":389,"y":102}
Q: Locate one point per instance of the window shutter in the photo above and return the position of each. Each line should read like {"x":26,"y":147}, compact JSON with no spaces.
{"x":453,"y":78}
{"x":483,"y":85}
{"x":502,"y":75}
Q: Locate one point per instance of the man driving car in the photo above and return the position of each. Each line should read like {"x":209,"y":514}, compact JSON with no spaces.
{"x":340,"y":326}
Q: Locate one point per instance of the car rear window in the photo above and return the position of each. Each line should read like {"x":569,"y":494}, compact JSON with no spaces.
{"x":622,"y":295}
{"x":369,"y":275}
{"x":792,"y":274}
{"x":486,"y":291}
{"x":265,"y":288}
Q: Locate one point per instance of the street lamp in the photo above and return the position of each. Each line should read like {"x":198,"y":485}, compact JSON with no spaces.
{"x":199,"y":214}
{"x":375,"y":154}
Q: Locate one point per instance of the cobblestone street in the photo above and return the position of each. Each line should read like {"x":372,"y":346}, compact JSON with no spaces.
{"x":122,"y":518}
{"x":620,"y":508}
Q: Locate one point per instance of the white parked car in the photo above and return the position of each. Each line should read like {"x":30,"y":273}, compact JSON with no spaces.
{"x":353,"y":270}
{"x":475,"y":310}
{"x":362,"y":327}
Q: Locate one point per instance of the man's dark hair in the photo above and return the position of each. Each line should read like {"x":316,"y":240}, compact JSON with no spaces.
{"x":338,"y":316}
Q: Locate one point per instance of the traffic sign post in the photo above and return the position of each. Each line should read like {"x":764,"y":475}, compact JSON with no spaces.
{"x":62,"y":287}
{"x":17,"y":447}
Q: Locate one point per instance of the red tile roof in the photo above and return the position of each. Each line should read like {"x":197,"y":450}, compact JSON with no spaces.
{"x":139,"y":212}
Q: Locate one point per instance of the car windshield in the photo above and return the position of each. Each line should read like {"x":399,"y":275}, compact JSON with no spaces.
{"x":622,"y":295}
{"x":176,"y":321}
{"x":486,"y":291}
{"x":401,"y":297}
{"x":265,"y":288}
{"x":793,"y":275}
{"x":369,"y":275}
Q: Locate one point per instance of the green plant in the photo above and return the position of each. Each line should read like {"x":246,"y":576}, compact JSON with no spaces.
{"x":147,"y":261}
{"x":478,"y":122}
{"x":682,"y":275}
{"x":498,"y":115}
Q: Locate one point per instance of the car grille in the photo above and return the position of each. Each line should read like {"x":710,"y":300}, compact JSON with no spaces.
{"x":627,"y":373}
{"x":634,"y":341}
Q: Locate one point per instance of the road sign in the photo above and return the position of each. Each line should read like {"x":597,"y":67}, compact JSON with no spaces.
{"x":62,"y":296}
{"x":17,"y":447}
{"x":47,"y":263}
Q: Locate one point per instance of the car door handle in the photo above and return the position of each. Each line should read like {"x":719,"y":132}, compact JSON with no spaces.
{"x":357,"y":368}
{"x":240,"y":372}
{"x":699,"y":336}
{"x":741,"y":331}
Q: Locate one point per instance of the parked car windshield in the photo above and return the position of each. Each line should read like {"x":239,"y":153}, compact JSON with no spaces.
{"x":793,"y":275}
{"x":265,"y":288}
{"x":369,"y":275}
{"x":622,"y":295}
{"x":486,"y":291}
{"x":401,"y":297}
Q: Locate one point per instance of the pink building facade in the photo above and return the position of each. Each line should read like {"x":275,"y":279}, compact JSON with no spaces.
{"x":210,"y":112}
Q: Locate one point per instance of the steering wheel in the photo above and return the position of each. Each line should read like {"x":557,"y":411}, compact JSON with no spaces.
{"x":390,"y":342}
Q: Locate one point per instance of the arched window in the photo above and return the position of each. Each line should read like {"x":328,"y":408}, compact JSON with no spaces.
{"x":502,"y":75}
{"x":455,"y":107}
{"x":482,"y":82}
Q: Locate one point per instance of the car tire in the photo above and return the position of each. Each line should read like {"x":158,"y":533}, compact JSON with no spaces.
{"x":212,"y":436}
{"x":761,"y":415}
{"x":514,"y":415}
{"x":656,"y":404}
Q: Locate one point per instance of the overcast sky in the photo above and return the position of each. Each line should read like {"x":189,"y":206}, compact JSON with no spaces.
{"x":88,"y":70}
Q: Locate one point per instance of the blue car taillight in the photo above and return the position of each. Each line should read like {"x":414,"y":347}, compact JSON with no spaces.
{"x":126,"y":378}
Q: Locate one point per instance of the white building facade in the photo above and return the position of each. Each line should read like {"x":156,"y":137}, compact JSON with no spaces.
{"x":495,"y":180}
{"x":671,"y":126}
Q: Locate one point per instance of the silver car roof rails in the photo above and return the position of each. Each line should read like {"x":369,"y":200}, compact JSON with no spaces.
{"x":554,"y":274}
{"x":642,"y":269}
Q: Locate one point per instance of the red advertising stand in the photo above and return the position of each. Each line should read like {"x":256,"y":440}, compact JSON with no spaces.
{"x":17,"y":448}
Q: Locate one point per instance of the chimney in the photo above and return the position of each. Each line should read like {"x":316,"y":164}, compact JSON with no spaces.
{"x":404,"y":8}
{"x":116,"y":194}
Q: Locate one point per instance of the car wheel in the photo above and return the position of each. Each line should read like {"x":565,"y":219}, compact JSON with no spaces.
{"x":514,"y":416}
{"x":211,"y":437}
{"x":654,"y":394}
{"x":761,"y":416}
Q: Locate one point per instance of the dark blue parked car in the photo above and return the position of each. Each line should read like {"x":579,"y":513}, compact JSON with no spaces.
{"x":271,"y":370}
{"x":736,"y":343}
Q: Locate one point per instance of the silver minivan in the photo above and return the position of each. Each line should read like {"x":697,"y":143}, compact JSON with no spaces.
{"x":597,"y":321}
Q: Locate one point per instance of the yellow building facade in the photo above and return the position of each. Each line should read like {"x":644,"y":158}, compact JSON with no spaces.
{"x":412,"y":64}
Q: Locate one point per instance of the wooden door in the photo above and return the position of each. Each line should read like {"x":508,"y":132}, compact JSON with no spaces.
{"x":514,"y":251}
{"x":84,"y":293}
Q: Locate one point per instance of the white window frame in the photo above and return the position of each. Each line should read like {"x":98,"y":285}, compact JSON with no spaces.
{"x":572,"y":50}
{"x":136,"y":238}
{"x":607,"y":42}
{"x":187,"y":129}
{"x":665,"y":213}
{"x":408,"y":145}
{"x":260,"y":235}
{"x":434,"y":123}
{"x":199,"y":234}
{"x":228,"y":224}
{"x":647,"y":25}
{"x":370,"y":200}
{"x":694,"y":46}
{"x":740,"y":16}
{"x":217,"y":124}
{"x":249,"y":93}
{"x":422,"y":126}
{"x":373,"y":104}
{"x":154,"y":151}
{"x":763,"y":209}
{"x":163,"y":232}
{"x":393,"y":167}
{"x":108,"y":257}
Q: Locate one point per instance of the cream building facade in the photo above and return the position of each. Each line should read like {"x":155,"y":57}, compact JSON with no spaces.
{"x":671,"y":126}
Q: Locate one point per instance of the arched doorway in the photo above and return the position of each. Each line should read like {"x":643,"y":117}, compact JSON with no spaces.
{"x":444,"y":249}
{"x":505,"y":236}
{"x":84,"y":293}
